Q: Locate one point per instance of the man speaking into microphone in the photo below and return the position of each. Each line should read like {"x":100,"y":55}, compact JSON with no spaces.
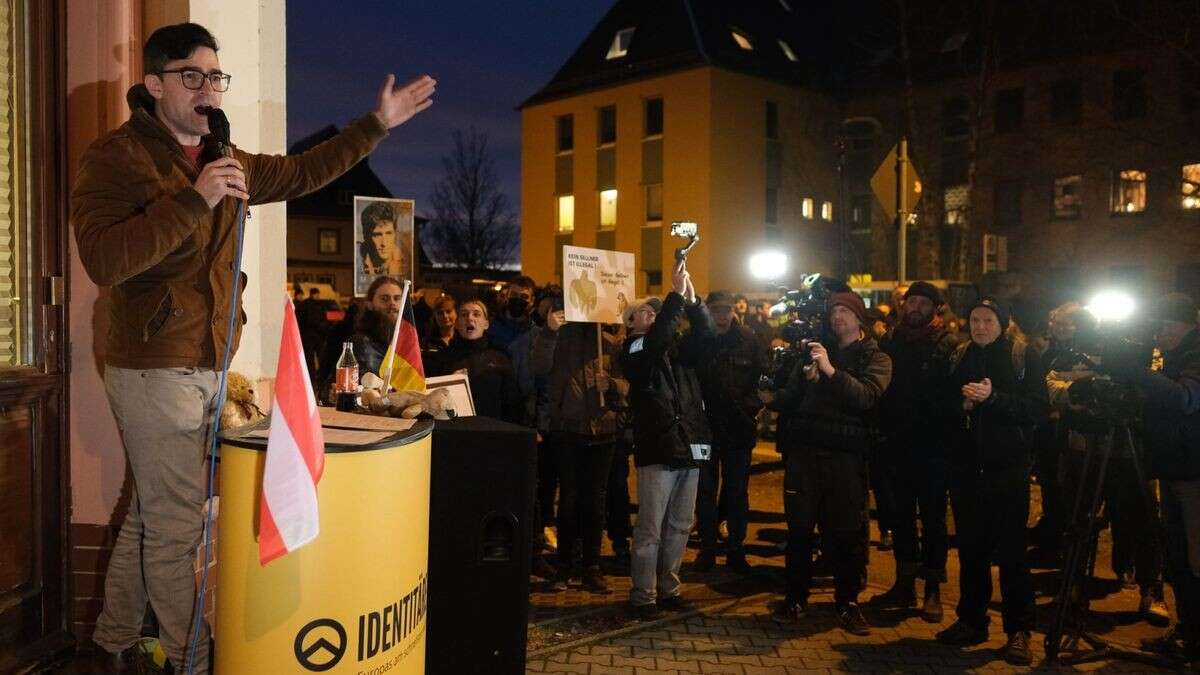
{"x":155,"y":211}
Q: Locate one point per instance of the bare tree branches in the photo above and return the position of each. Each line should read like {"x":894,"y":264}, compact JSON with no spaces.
{"x":473,"y":223}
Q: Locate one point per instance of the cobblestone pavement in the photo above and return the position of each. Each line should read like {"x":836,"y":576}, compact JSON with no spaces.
{"x":581,"y":632}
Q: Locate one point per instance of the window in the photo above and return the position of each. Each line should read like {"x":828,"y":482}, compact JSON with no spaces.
{"x":1006,"y":207}
{"x":787,"y":51}
{"x":827,"y":211}
{"x":608,"y":209}
{"x":957,"y":201}
{"x":1129,"y":191}
{"x":1010,"y":109}
{"x":772,"y":119}
{"x":654,"y":117}
{"x":1190,"y":188}
{"x":329,"y":240}
{"x":566,"y":214}
{"x":1066,"y":102}
{"x":1068,"y":199}
{"x":565,"y":132}
{"x":620,"y":43}
{"x":806,"y":208}
{"x":606,"y":125}
{"x":741,"y":39}
{"x":771,"y":208}
{"x":654,"y":205}
{"x":860,"y":211}
{"x":1129,"y":95}
{"x":653,"y":281}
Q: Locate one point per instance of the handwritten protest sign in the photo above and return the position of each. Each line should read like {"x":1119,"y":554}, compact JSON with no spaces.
{"x":598,"y":284}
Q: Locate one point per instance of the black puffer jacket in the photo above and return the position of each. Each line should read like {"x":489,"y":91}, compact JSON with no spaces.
{"x":1172,"y":411}
{"x":995,"y":434}
{"x":835,"y":413}
{"x":493,"y":382}
{"x":920,"y":359}
{"x":730,"y":384}
{"x":665,"y":401}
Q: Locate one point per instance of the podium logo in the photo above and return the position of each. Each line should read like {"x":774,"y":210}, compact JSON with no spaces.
{"x":320,"y":644}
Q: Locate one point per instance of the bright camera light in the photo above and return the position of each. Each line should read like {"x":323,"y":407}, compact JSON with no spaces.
{"x":768,"y":265}
{"x":1109,"y":306}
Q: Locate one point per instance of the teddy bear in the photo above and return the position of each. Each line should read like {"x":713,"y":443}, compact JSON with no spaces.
{"x":407,"y":404}
{"x":240,"y":408}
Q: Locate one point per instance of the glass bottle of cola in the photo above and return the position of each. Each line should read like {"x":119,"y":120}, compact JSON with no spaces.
{"x":346,"y":385}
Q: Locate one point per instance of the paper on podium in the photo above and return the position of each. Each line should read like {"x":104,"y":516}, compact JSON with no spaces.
{"x":338,"y":436}
{"x":332,"y":417}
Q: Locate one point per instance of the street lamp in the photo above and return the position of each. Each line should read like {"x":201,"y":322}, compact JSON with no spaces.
{"x":768,"y":265}
{"x":1111,"y":306}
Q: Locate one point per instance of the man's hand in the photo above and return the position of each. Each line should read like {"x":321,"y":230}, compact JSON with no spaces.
{"x":396,"y":106}
{"x":221,"y":178}
{"x":679,"y":278}
{"x":820,"y":357}
{"x":811,"y":373}
{"x":977,"y":392}
{"x":555,"y":320}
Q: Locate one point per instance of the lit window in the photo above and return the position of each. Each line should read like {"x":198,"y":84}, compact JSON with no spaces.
{"x":787,"y":51}
{"x":957,"y":200}
{"x":1068,"y":199}
{"x":806,"y":207}
{"x":620,"y":43}
{"x":1129,"y":191}
{"x":566,"y":213}
{"x":826,"y":210}
{"x":741,"y":39}
{"x":654,"y":204}
{"x":1191,"y":186}
{"x":608,"y":209}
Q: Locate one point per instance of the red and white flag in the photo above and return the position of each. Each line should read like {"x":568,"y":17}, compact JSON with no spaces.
{"x":288,"y":516}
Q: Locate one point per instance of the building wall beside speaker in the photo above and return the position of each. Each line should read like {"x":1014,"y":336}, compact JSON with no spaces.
{"x":480,"y":523}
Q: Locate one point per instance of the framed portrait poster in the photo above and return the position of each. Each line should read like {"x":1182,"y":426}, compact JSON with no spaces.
{"x":383,"y":240}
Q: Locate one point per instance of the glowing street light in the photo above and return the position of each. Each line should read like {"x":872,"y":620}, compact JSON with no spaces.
{"x":1111,"y":306}
{"x":768,"y":265}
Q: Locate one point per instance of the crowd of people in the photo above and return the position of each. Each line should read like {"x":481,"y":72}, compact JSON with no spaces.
{"x":904,"y":400}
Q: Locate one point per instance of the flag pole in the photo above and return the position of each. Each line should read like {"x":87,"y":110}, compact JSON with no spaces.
{"x":391,"y":352}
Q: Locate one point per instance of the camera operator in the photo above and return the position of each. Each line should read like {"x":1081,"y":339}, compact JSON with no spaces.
{"x":828,"y":402}
{"x":913,"y":458}
{"x":993,"y":396}
{"x":1172,"y":423}
{"x":671,"y":437}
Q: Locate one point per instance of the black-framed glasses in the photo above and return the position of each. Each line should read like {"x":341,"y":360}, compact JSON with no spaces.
{"x":194,"y":78}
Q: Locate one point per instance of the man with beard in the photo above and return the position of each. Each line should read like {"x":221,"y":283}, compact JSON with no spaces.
{"x":993,"y":396}
{"x":912,"y":460}
{"x":828,"y":401}
{"x":493,"y":382}
{"x":374,"y":327}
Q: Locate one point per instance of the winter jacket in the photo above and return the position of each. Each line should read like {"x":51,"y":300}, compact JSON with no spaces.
{"x":666,"y":404}
{"x":142,"y":229}
{"x":920,"y":358}
{"x":566,"y":358}
{"x":490,"y":372}
{"x":1172,"y":411}
{"x":736,"y":361}
{"x":836,"y":413}
{"x":995,"y":434}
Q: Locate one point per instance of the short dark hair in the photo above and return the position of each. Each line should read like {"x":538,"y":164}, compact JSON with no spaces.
{"x":523,"y":282}
{"x":171,"y":43}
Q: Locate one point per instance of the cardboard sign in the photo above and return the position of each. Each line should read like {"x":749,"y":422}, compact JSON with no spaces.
{"x":598,"y":284}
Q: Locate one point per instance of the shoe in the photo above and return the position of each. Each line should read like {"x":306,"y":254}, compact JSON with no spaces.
{"x":99,"y":660}
{"x":1168,"y":644}
{"x":902,"y":594}
{"x":737,"y":563}
{"x":790,"y":611}
{"x":886,"y":540}
{"x":931,"y":608}
{"x":1154,"y":610}
{"x":851,"y":620}
{"x":723,"y":531}
{"x":1128,"y":581}
{"x":1016,"y":652}
{"x":676,"y":603}
{"x":551,"y":539}
{"x":705,"y":561}
{"x":962,"y":635}
{"x":648,"y":612}
{"x":540,"y":568}
{"x":594,"y":581}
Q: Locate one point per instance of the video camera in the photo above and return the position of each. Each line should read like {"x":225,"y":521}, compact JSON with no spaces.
{"x":806,"y":311}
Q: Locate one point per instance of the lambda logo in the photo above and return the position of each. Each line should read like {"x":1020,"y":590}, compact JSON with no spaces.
{"x":320,"y":644}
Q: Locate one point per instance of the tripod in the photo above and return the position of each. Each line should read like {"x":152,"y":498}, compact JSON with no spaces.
{"x":1067,"y":639}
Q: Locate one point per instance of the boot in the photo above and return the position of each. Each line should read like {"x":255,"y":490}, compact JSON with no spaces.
{"x":902,"y":594}
{"x":931,"y":609}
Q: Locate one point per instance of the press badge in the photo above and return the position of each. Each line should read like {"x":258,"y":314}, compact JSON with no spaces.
{"x":701,"y":451}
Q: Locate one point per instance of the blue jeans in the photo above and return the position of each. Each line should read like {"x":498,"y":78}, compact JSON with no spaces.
{"x":666,"y":503}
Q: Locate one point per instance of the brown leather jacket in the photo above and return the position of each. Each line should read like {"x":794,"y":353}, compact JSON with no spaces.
{"x":145,"y":231}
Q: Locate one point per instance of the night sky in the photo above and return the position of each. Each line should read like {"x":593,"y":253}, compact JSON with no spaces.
{"x":486,"y":57}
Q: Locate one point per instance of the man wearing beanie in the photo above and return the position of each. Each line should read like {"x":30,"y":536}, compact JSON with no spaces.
{"x":993,"y":395}
{"x":730,"y":388}
{"x":1172,"y":423}
{"x":829,"y":397}
{"x":912,"y":461}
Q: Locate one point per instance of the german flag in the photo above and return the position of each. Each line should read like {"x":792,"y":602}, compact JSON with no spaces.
{"x":408,"y":372}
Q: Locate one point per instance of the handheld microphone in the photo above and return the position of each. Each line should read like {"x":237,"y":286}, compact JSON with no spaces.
{"x":218,"y":128}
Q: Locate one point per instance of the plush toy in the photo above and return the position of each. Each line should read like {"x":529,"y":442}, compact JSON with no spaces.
{"x":240,"y":408}
{"x":410,"y":404}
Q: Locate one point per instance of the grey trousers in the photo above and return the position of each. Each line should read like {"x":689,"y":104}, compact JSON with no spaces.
{"x":164,"y":415}
{"x":666,"y":506}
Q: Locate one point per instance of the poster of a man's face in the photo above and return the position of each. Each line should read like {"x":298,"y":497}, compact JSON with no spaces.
{"x":383,"y":238}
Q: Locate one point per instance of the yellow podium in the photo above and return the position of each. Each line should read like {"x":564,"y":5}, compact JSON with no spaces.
{"x":352,"y":601}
